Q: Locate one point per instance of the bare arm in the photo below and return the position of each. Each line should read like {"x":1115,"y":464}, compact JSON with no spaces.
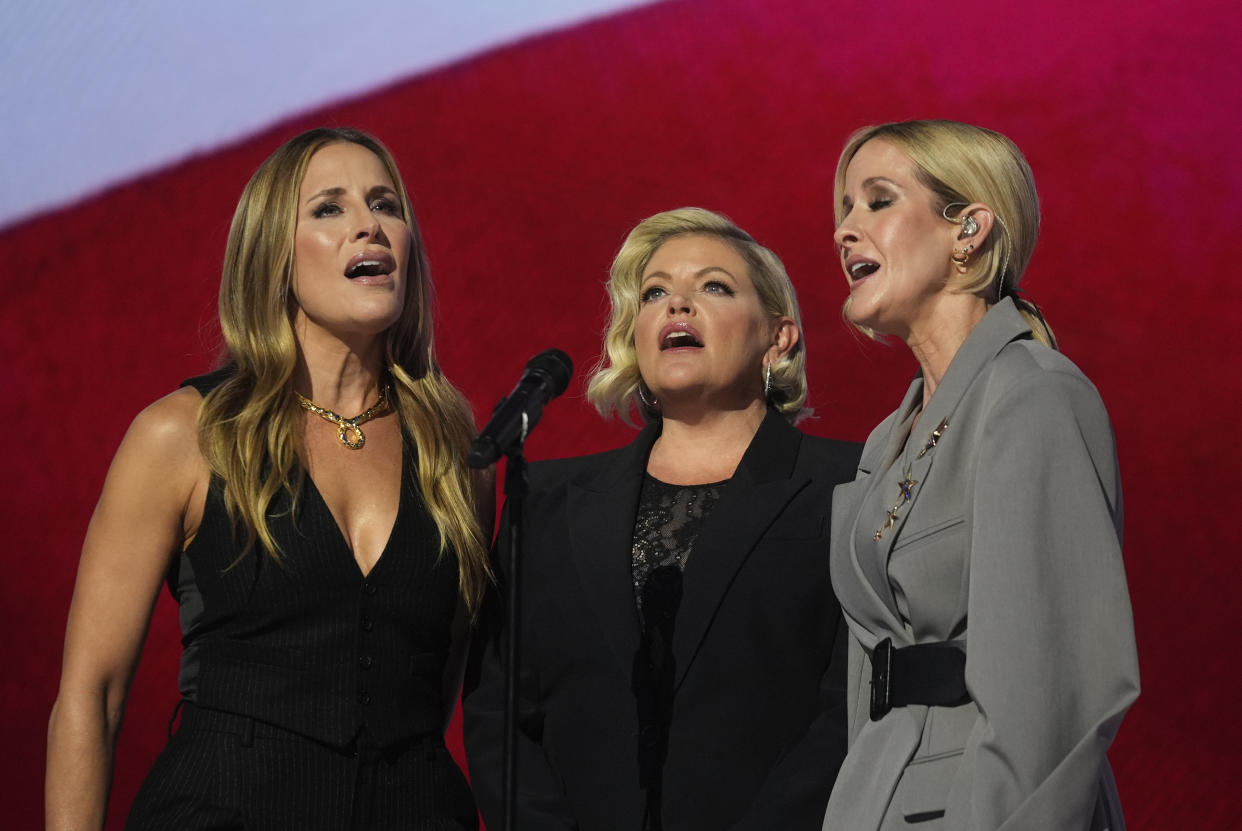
{"x":142,"y":517}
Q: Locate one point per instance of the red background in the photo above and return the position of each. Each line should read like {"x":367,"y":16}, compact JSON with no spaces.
{"x":529,"y":164}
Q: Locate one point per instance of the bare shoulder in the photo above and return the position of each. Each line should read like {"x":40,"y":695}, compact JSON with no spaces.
{"x":168,"y":423}
{"x":161,"y":450}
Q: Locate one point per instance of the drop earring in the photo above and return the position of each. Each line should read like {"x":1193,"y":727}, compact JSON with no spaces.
{"x":960,"y":258}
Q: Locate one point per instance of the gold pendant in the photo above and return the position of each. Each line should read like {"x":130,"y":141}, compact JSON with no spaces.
{"x":344,"y":429}
{"x":348,"y":430}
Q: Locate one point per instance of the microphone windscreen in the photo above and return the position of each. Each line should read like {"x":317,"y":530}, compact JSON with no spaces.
{"x":556,"y":366}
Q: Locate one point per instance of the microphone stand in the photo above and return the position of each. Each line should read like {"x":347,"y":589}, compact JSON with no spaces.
{"x":515,"y":493}
{"x":545,"y":377}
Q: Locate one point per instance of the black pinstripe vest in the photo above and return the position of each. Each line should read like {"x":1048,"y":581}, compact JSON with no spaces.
{"x":309,"y":644}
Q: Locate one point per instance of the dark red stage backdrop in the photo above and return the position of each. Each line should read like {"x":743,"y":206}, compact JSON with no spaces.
{"x":528,"y":166}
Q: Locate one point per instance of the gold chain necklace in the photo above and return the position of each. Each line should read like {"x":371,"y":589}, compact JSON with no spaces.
{"x":345,"y":427}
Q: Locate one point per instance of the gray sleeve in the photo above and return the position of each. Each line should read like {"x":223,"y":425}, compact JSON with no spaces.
{"x":1051,"y":663}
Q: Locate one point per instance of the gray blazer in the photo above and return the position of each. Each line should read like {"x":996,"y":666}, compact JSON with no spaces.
{"x":1011,"y":543}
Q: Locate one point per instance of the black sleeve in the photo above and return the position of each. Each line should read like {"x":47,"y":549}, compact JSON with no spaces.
{"x":795,"y":792}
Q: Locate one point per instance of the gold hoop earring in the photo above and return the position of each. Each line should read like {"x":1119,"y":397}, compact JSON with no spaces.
{"x":960,"y":258}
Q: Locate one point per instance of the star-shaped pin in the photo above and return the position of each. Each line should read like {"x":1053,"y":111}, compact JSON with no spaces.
{"x":934,"y":437}
{"x":906,"y":486}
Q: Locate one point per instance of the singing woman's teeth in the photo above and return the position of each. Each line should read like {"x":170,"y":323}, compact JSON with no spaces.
{"x":367,"y":268}
{"x":860,"y":270}
{"x":674,"y":340}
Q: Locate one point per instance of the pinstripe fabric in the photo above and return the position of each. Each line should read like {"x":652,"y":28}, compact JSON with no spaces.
{"x":313,"y":693}
{"x":311,"y":645}
{"x":221,"y":771}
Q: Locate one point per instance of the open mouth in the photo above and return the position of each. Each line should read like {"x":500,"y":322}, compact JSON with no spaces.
{"x":367,"y":268}
{"x":863,"y":268}
{"x":370,"y":264}
{"x":679,"y":339}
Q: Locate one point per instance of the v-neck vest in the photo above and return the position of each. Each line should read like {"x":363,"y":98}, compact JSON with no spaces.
{"x":310,"y":644}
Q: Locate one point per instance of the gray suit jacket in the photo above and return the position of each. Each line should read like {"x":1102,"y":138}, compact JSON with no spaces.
{"x":1010,"y":543}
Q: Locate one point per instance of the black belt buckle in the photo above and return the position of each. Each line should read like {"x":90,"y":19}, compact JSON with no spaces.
{"x":881,"y":679}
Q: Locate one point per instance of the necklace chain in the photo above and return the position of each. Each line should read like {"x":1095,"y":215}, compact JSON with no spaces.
{"x":348,"y":430}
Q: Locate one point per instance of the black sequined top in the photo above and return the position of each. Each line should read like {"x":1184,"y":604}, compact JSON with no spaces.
{"x":669,"y":520}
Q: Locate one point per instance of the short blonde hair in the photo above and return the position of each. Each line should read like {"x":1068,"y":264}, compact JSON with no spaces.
{"x":961,"y":163}
{"x":614,"y":383}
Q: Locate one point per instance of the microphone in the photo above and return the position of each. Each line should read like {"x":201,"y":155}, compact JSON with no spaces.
{"x":545,"y":377}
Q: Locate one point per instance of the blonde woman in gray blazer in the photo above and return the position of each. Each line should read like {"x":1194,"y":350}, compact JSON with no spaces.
{"x":977,"y":556}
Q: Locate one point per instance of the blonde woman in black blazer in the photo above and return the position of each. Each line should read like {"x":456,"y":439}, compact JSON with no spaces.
{"x":719,"y":703}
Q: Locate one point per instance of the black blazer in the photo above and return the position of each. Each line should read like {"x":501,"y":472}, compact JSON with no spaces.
{"x":758,"y":727}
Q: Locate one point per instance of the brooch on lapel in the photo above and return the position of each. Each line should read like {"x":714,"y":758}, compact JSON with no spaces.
{"x":906,"y":486}
{"x":934,"y":437}
{"x":907,"y":483}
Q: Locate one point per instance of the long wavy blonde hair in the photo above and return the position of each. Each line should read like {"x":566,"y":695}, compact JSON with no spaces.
{"x":248,"y":426}
{"x":613,"y":387}
{"x":961,"y":163}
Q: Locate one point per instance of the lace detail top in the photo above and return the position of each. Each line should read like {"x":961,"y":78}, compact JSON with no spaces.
{"x":669,"y":520}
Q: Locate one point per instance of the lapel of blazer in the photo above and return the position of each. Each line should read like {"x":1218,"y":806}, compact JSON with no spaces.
{"x":998,"y":327}
{"x":602,"y":508}
{"x":760,"y":489}
{"x":870,"y":574}
{"x":876,"y":608}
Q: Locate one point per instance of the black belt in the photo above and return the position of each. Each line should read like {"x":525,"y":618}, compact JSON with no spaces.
{"x":927,"y":673}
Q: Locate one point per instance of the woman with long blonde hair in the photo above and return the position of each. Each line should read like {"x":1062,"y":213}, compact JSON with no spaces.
{"x":309,"y":507}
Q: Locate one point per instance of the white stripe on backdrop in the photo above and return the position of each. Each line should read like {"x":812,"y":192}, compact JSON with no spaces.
{"x":96,"y":93}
